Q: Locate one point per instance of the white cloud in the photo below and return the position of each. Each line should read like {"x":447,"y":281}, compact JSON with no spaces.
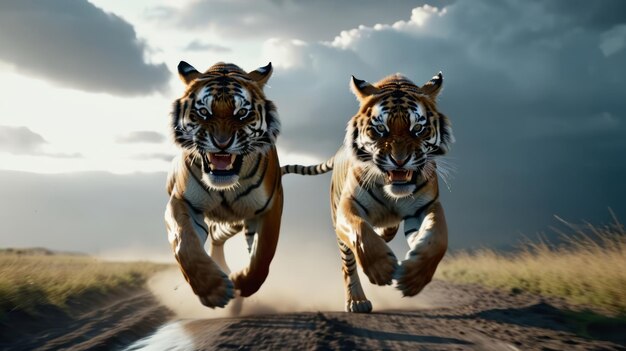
{"x":420,"y":17}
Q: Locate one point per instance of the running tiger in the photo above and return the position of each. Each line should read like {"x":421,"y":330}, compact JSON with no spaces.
{"x":226,"y":180}
{"x":386,"y":173}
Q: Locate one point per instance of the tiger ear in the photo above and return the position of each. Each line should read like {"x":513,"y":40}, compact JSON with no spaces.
{"x":187,"y":72}
{"x":262,"y":74}
{"x":362,"y":89}
{"x":433,"y":87}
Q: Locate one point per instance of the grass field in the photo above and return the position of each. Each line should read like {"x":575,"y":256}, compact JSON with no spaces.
{"x":34,"y":278}
{"x":588,"y":267}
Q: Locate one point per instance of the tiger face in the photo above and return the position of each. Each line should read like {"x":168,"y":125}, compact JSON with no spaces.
{"x":223,"y":119}
{"x":398,"y":132}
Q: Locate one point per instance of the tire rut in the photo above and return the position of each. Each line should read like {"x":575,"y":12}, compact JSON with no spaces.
{"x":110,"y":325}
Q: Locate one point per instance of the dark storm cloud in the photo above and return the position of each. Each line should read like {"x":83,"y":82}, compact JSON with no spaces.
{"x":77,"y":45}
{"x":536,"y":92}
{"x":197,"y":45}
{"x":141,"y":136}
{"x":600,"y":15}
{"x":285,"y":18}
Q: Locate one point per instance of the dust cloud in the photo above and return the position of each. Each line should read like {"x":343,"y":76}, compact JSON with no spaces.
{"x":304,"y":278}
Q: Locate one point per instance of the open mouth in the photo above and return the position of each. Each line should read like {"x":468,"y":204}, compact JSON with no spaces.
{"x":399,"y":176}
{"x":221,"y":164}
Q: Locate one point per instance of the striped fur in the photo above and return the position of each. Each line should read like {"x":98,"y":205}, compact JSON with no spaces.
{"x":385,"y":174}
{"x":227,"y":179}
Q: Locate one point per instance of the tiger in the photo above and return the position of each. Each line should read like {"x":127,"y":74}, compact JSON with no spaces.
{"x":226,"y":179}
{"x":385,"y":173}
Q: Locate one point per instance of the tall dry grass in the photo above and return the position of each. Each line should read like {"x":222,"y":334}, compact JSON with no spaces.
{"x":31,"y":279}
{"x":587,"y":267}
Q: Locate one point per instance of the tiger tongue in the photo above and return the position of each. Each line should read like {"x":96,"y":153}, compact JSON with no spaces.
{"x":221,"y":162}
{"x":399,"y":175}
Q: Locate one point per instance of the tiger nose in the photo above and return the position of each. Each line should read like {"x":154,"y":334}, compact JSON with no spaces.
{"x":222,"y":141}
{"x":399,"y":160}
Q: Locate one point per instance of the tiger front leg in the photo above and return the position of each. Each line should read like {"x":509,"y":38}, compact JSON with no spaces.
{"x":187,"y":234}
{"x":249,"y":280}
{"x":371,"y":252}
{"x":428,"y":240}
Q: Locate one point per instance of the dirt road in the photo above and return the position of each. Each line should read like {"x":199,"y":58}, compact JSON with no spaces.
{"x":444,"y":316}
{"x":459,"y":317}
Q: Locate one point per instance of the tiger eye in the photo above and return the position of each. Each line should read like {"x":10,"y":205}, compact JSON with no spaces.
{"x":381,"y":128}
{"x":242,"y":112}
{"x":204,"y":111}
{"x":418,"y":128}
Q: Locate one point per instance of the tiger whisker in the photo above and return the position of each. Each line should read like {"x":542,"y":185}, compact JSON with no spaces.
{"x":444,"y":168}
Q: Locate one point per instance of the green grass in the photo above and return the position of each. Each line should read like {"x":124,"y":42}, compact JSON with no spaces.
{"x":33,"y":278}
{"x":588,"y":267}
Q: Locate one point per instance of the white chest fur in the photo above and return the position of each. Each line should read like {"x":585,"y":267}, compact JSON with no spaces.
{"x":244,"y":201}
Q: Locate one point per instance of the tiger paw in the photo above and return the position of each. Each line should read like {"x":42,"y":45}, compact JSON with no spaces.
{"x":358,"y":306}
{"x":377,"y":260}
{"x":414,"y":273}
{"x":211,"y":285}
{"x":248,"y":281}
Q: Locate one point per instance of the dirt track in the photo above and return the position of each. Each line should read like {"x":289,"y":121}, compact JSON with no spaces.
{"x":459,"y":317}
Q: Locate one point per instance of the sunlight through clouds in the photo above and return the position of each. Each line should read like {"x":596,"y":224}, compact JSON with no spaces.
{"x":90,"y":127}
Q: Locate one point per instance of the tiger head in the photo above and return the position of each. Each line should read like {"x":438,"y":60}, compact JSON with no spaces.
{"x":398,"y":131}
{"x":224,"y":119}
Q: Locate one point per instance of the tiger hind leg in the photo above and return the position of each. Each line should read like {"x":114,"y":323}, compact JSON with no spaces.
{"x":387,"y":233}
{"x":263,"y":246}
{"x":356,"y":301}
{"x":219,"y":233}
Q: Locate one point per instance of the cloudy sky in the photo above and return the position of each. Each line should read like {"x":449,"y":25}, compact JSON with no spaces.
{"x":536,"y":92}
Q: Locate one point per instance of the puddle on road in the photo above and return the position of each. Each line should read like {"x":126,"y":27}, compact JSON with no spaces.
{"x":172,"y":337}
